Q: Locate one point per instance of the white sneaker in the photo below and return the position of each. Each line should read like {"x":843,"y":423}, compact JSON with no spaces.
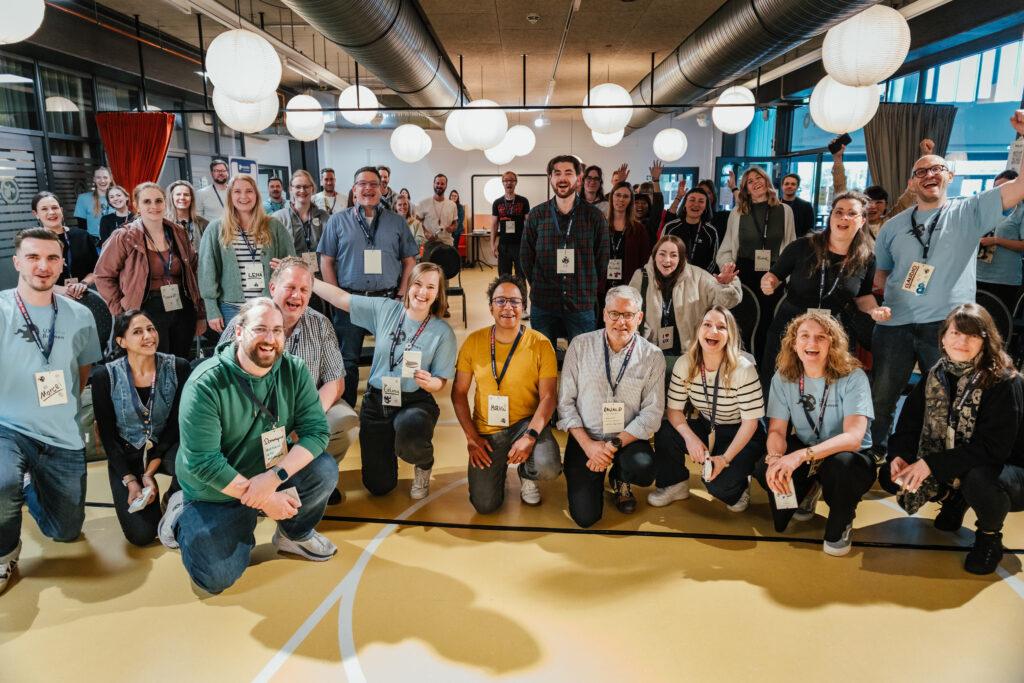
{"x":742,"y":504}
{"x":317,"y":547}
{"x":806,"y":510}
{"x":8,"y":563}
{"x":165,"y":529}
{"x":420,"y":484}
{"x":529,"y":491}
{"x":660,"y":497}
{"x":840,"y":547}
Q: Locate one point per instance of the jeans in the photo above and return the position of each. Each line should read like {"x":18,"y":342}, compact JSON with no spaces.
{"x":508,"y":257}
{"x":634,"y":464}
{"x":487,"y":485}
{"x":229,"y":311}
{"x":895,"y":350}
{"x":386,"y":434}
{"x":56,"y":496}
{"x":216,"y":539}
{"x":993,"y":493}
{"x":350,"y":337}
{"x":139,"y":528}
{"x":555,"y":324}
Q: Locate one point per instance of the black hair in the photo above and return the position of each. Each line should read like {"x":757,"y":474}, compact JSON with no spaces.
{"x":122,"y":322}
{"x":565,"y":158}
{"x":40,"y":196}
{"x":219,"y":162}
{"x":326,"y":170}
{"x":708,"y":210}
{"x":792,"y":175}
{"x":877,"y":193}
{"x":509,"y":279}
{"x":441,"y":175}
{"x":362,"y":169}
{"x":1008,"y":174}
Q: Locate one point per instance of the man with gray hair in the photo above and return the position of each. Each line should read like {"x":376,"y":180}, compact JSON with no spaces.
{"x":611,"y":400}
{"x":253,"y":436}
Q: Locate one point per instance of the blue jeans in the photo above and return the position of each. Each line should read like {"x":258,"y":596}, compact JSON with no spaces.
{"x":555,"y":324}
{"x":56,"y":496}
{"x":228,"y":312}
{"x":895,"y":349}
{"x":350,"y":338}
{"x":216,"y":539}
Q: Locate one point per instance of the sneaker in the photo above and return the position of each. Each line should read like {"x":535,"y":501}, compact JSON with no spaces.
{"x":986,"y":554}
{"x":742,"y":504}
{"x":842,"y":546}
{"x":317,"y":547}
{"x":165,"y":529}
{"x":420,"y":484}
{"x":8,"y":564}
{"x":529,"y":491}
{"x":805,"y":512}
{"x":336,"y":498}
{"x":625,"y":501}
{"x":951,"y":515}
{"x":878,"y":456}
{"x":660,"y":497}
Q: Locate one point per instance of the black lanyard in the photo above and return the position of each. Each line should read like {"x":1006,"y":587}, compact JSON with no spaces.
{"x":307,"y":227}
{"x":616,"y":246}
{"x":169,"y":261}
{"x":145,"y":412}
{"x":508,"y":359}
{"x":36,"y":337}
{"x":248,"y":245}
{"x":764,"y":232}
{"x":558,"y":224}
{"x":622,"y":369}
{"x":369,"y":232}
{"x":805,"y":399}
{"x":399,"y":334}
{"x":189,"y":230}
{"x":954,"y":408}
{"x":269,"y":412}
{"x":330,"y":209}
{"x":217,"y":195}
{"x":66,"y":242}
{"x":917,"y":230}
{"x":713,"y":400}
{"x":821,"y":286}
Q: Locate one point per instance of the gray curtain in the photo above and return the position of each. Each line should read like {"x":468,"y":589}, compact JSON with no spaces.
{"x":893,"y":135}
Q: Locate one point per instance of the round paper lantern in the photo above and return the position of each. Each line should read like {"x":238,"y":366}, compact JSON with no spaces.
{"x":367,"y":105}
{"x":58,"y":103}
{"x":453,"y":131}
{"x":500,"y":154}
{"x":839,"y":108}
{"x":493,"y":189}
{"x":410,"y":143}
{"x":521,"y":139}
{"x":22,"y":18}
{"x":608,"y":120}
{"x":734,"y":119}
{"x":669,"y":144}
{"x":866,"y":48}
{"x":243,"y":65}
{"x":304,"y":125}
{"x":245,"y":117}
{"x":482,"y":128}
{"x":607,"y":139}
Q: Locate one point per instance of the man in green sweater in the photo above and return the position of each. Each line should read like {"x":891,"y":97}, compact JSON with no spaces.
{"x":253,"y":436}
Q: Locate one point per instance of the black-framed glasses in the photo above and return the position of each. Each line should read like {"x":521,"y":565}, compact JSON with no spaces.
{"x":503,"y":301}
{"x":616,"y":316}
{"x":931,"y":170}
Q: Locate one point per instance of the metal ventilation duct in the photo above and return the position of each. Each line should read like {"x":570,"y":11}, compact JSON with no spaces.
{"x":391,"y":39}
{"x":739,"y":37}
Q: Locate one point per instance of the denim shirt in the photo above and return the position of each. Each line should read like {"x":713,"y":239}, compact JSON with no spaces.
{"x":129,"y":425}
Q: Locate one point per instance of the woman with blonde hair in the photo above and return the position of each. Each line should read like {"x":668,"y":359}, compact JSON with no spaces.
{"x":181,"y":209}
{"x":723,"y":433}
{"x":91,"y":207}
{"x":235,"y":252}
{"x":821,"y":395}
{"x":121,"y":212}
{"x":404,"y":209}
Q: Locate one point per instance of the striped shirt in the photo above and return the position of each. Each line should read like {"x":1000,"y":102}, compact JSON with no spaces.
{"x":244,"y":256}
{"x":740,"y":400}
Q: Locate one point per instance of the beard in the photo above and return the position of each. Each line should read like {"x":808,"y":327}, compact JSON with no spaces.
{"x":567,"y":192}
{"x":254,"y":354}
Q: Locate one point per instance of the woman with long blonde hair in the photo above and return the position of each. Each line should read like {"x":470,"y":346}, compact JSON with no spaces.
{"x":236,"y":250}
{"x":181,"y":210}
{"x":92,"y":206}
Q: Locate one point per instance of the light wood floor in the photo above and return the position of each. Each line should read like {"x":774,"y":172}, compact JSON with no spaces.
{"x":690,"y":592}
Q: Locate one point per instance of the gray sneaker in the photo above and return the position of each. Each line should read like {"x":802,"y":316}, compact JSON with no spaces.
{"x":840,"y":547}
{"x":660,"y":497}
{"x":8,"y":563}
{"x":317,"y":547}
{"x":742,"y":504}
{"x":529,"y":492}
{"x":165,"y":529}
{"x":420,"y":484}
{"x":805,"y":512}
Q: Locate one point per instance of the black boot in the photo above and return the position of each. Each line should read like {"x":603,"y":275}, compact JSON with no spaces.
{"x":986,"y":553}
{"x":951,"y":516}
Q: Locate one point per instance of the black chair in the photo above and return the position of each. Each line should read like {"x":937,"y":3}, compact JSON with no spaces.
{"x":97,"y":305}
{"x":451,"y":265}
{"x":1000,"y":313}
{"x":748,"y":314}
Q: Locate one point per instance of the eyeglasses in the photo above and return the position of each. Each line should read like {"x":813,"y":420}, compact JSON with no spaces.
{"x":302,"y":187}
{"x":845,"y":214}
{"x":503,"y":301}
{"x":363,"y":184}
{"x":261,"y":331}
{"x":931,"y":170}
{"x":616,"y":316}
{"x":592,"y":178}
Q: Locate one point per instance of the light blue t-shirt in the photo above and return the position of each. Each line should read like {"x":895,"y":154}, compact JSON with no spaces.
{"x":1005,"y":268}
{"x":380,"y":316}
{"x":76,"y":343}
{"x":345,"y":241}
{"x":851,"y":395}
{"x":84,"y":209}
{"x":953,"y":254}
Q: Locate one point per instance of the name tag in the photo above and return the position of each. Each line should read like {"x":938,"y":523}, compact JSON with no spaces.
{"x":762,"y":260}
{"x":615,"y":269}
{"x":310,"y":258}
{"x":613,"y":417}
{"x":391,"y":391}
{"x":666,"y":336}
{"x":371,"y":262}
{"x":918,"y":277}
{"x":316,"y":221}
{"x":509,"y":226}
{"x":171,"y":294}
{"x":275,"y":445}
{"x":411,"y":362}
{"x":497,"y":411}
{"x":709,"y":467}
{"x":950,"y":437}
{"x":51,"y":388}
{"x":986,"y":254}
{"x":252,"y":276}
{"x":566,"y":262}
{"x":786,"y":501}
{"x":820,"y":311}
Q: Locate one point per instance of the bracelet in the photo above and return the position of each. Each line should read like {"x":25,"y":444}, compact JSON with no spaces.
{"x":128,"y":479}
{"x":810,"y":454}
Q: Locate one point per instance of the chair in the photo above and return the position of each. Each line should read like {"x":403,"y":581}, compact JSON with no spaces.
{"x":97,"y":305}
{"x":748,"y":315}
{"x":451,"y":265}
{"x":1000,"y":313}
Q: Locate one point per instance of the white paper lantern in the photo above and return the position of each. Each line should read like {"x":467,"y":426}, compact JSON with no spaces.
{"x":304,"y":125}
{"x":500,"y":154}
{"x":493,"y":189}
{"x":453,"y":131}
{"x":22,"y":18}
{"x":410,"y":143}
{"x":58,"y":103}
{"x":866,"y":48}
{"x":367,"y":105}
{"x":245,"y":117}
{"x":839,"y":108}
{"x":482,"y":128}
{"x":608,"y":120}
{"x":734,"y":119}
{"x":521,"y":139}
{"x":607,"y":139}
{"x":243,"y":65}
{"x":669,"y":144}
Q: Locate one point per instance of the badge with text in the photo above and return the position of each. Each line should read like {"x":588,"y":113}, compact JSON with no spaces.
{"x":986,"y":254}
{"x":275,"y":445}
{"x":615,"y":269}
{"x":709,"y":467}
{"x":371,"y":262}
{"x":51,"y":388}
{"x":171,"y":295}
{"x":918,"y":277}
{"x":510,"y":227}
{"x":497,"y":411}
{"x":411,"y":362}
{"x":310,"y":258}
{"x":391,"y":393}
{"x":252,"y":276}
{"x":762,"y":260}
{"x":566,"y":262}
{"x":786,"y":501}
{"x":613,"y":417}
{"x":666,"y":337}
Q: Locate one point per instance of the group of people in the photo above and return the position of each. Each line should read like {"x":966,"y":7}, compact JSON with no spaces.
{"x":663,"y":375}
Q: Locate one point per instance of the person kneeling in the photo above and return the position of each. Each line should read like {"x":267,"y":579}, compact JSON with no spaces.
{"x":235,"y":460}
{"x":957,"y":437}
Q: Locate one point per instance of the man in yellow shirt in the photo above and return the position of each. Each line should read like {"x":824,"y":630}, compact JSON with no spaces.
{"x":516,"y":393}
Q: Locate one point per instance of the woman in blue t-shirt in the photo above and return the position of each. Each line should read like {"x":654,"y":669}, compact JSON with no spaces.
{"x":820,"y":393}
{"x":91,"y":207}
{"x":413,"y":359}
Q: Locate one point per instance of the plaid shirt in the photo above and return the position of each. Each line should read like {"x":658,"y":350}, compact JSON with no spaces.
{"x":541,"y":241}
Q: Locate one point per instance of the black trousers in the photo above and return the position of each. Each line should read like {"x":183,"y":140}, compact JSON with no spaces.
{"x":633,"y":464}
{"x":508,"y":257}
{"x":752,"y":278}
{"x":844,"y":477}
{"x":177,"y":329}
{"x":729,"y":485}
{"x":139,"y":527}
{"x":386,"y":434}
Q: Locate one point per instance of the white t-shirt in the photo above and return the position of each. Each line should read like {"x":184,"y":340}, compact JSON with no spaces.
{"x":437,"y":216}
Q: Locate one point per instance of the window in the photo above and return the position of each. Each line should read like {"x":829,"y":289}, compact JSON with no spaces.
{"x":18,"y":94}
{"x":761,"y":134}
{"x":806,"y":135}
{"x":996,"y":75}
{"x":903,"y":89}
{"x":113,"y":97}
{"x":68,"y":100}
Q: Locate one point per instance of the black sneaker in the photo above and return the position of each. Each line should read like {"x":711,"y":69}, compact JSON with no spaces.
{"x":951,"y":516}
{"x":625,"y":501}
{"x":336,"y":497}
{"x":984,"y":557}
{"x":878,"y":455}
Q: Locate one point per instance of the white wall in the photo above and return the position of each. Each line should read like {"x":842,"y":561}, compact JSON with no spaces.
{"x":268,"y":150}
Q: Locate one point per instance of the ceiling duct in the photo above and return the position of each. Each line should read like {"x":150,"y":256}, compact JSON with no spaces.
{"x":391,"y":39}
{"x":739,"y":37}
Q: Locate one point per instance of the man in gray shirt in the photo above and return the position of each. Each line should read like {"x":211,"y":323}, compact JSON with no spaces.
{"x":611,"y":399}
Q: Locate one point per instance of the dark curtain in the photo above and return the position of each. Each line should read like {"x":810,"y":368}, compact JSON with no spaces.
{"x":136,"y":144}
{"x":893,"y":136}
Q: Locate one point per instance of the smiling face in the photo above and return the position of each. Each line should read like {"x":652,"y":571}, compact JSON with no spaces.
{"x":621,"y":330}
{"x":936,"y":178}
{"x":592,"y":182}
{"x":181,"y":197}
{"x":328,"y":180}
{"x":713,"y":334}
{"x":39,"y":263}
{"x":876,"y":209}
{"x":422,"y":292}
{"x":563,"y":179}
{"x":440,"y":185}
{"x":219,"y":173}
{"x":117,"y":199}
{"x":454,"y":196}
{"x":696,"y":205}
{"x":48,"y":213}
{"x":402,"y":206}
{"x":960,"y":347}
{"x":302,"y":188}
{"x":789,"y":187}
{"x":366,"y":189}
{"x":812,"y":344}
{"x":243,"y":196}
{"x":385,"y":178}
{"x":102,"y":180}
{"x":141,"y":336}
{"x":275,"y":189}
{"x":666,"y":259}
{"x":151,"y":205}
{"x":621,"y":199}
{"x":846,"y":219}
{"x":262,"y":336}
{"x":291,"y":291}
{"x":509,"y":314}
{"x":756,"y":185}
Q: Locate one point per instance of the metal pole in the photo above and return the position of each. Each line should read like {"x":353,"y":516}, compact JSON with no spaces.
{"x":462,"y":87}
{"x":357,"y":85}
{"x":142,"y":64}
{"x":524,"y":80}
{"x":588,"y":78}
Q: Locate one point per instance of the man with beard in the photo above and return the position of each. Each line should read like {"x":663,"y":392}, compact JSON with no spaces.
{"x":49,"y":344}
{"x":211,"y":199}
{"x":387,"y":195}
{"x":328,"y":199}
{"x":438,"y":216}
{"x":275,"y":200}
{"x":253,"y":435}
{"x":803,"y":211}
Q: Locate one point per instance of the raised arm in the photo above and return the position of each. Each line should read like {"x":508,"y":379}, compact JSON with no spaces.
{"x":332,"y":294}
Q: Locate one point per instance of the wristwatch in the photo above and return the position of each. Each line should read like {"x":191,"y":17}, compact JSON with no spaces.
{"x":281,"y":472}
{"x":615,"y":441}
{"x":533,"y":433}
{"x":810,"y":454}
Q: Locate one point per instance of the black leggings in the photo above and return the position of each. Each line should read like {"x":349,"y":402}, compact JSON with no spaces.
{"x":177,"y":329}
{"x":633,"y":464}
{"x":139,"y":527}
{"x":386,"y":434}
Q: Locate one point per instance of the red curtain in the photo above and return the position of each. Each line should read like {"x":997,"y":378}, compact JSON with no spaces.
{"x":136,"y":144}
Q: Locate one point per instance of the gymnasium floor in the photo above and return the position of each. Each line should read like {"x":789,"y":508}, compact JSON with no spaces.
{"x":433,"y":592}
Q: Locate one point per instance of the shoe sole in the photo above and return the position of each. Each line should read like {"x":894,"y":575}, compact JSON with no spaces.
{"x":290,"y":547}
{"x":837,"y":552}
{"x":418,"y":496}
{"x":532,"y":504}
{"x":166,"y":536}
{"x":666,"y":503}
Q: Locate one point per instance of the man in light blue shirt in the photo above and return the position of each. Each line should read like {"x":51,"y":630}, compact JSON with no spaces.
{"x":999,"y":257}
{"x":926,"y":259}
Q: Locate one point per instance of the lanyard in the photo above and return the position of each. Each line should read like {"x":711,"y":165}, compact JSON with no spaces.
{"x":34,"y":331}
{"x":66,"y":242}
{"x":954,"y":410}
{"x":169,"y":261}
{"x":217,"y":195}
{"x":713,"y":400}
{"x":805,"y":399}
{"x":616,"y":246}
{"x":307,"y":227}
{"x":268,"y":412}
{"x":189,"y":230}
{"x":821,"y":287}
{"x":399,"y":333}
{"x":145,"y":412}
{"x":508,"y":359}
{"x":917,"y":230}
{"x":369,"y":232}
{"x":764,"y":232}
{"x":248,"y":245}
{"x":622,"y":369}
{"x":330,"y":208}
{"x":558,"y":225}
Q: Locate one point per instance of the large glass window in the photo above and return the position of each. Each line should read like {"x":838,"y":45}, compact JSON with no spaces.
{"x":761,"y":134}
{"x":114,"y":97}
{"x":18,"y":94}
{"x":67,"y":99}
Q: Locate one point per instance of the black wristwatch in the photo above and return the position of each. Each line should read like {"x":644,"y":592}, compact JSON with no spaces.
{"x":615,"y":441}
{"x":533,"y":433}
{"x":281,"y":473}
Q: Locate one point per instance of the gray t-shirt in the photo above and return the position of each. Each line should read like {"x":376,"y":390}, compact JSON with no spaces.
{"x":850,"y":395}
